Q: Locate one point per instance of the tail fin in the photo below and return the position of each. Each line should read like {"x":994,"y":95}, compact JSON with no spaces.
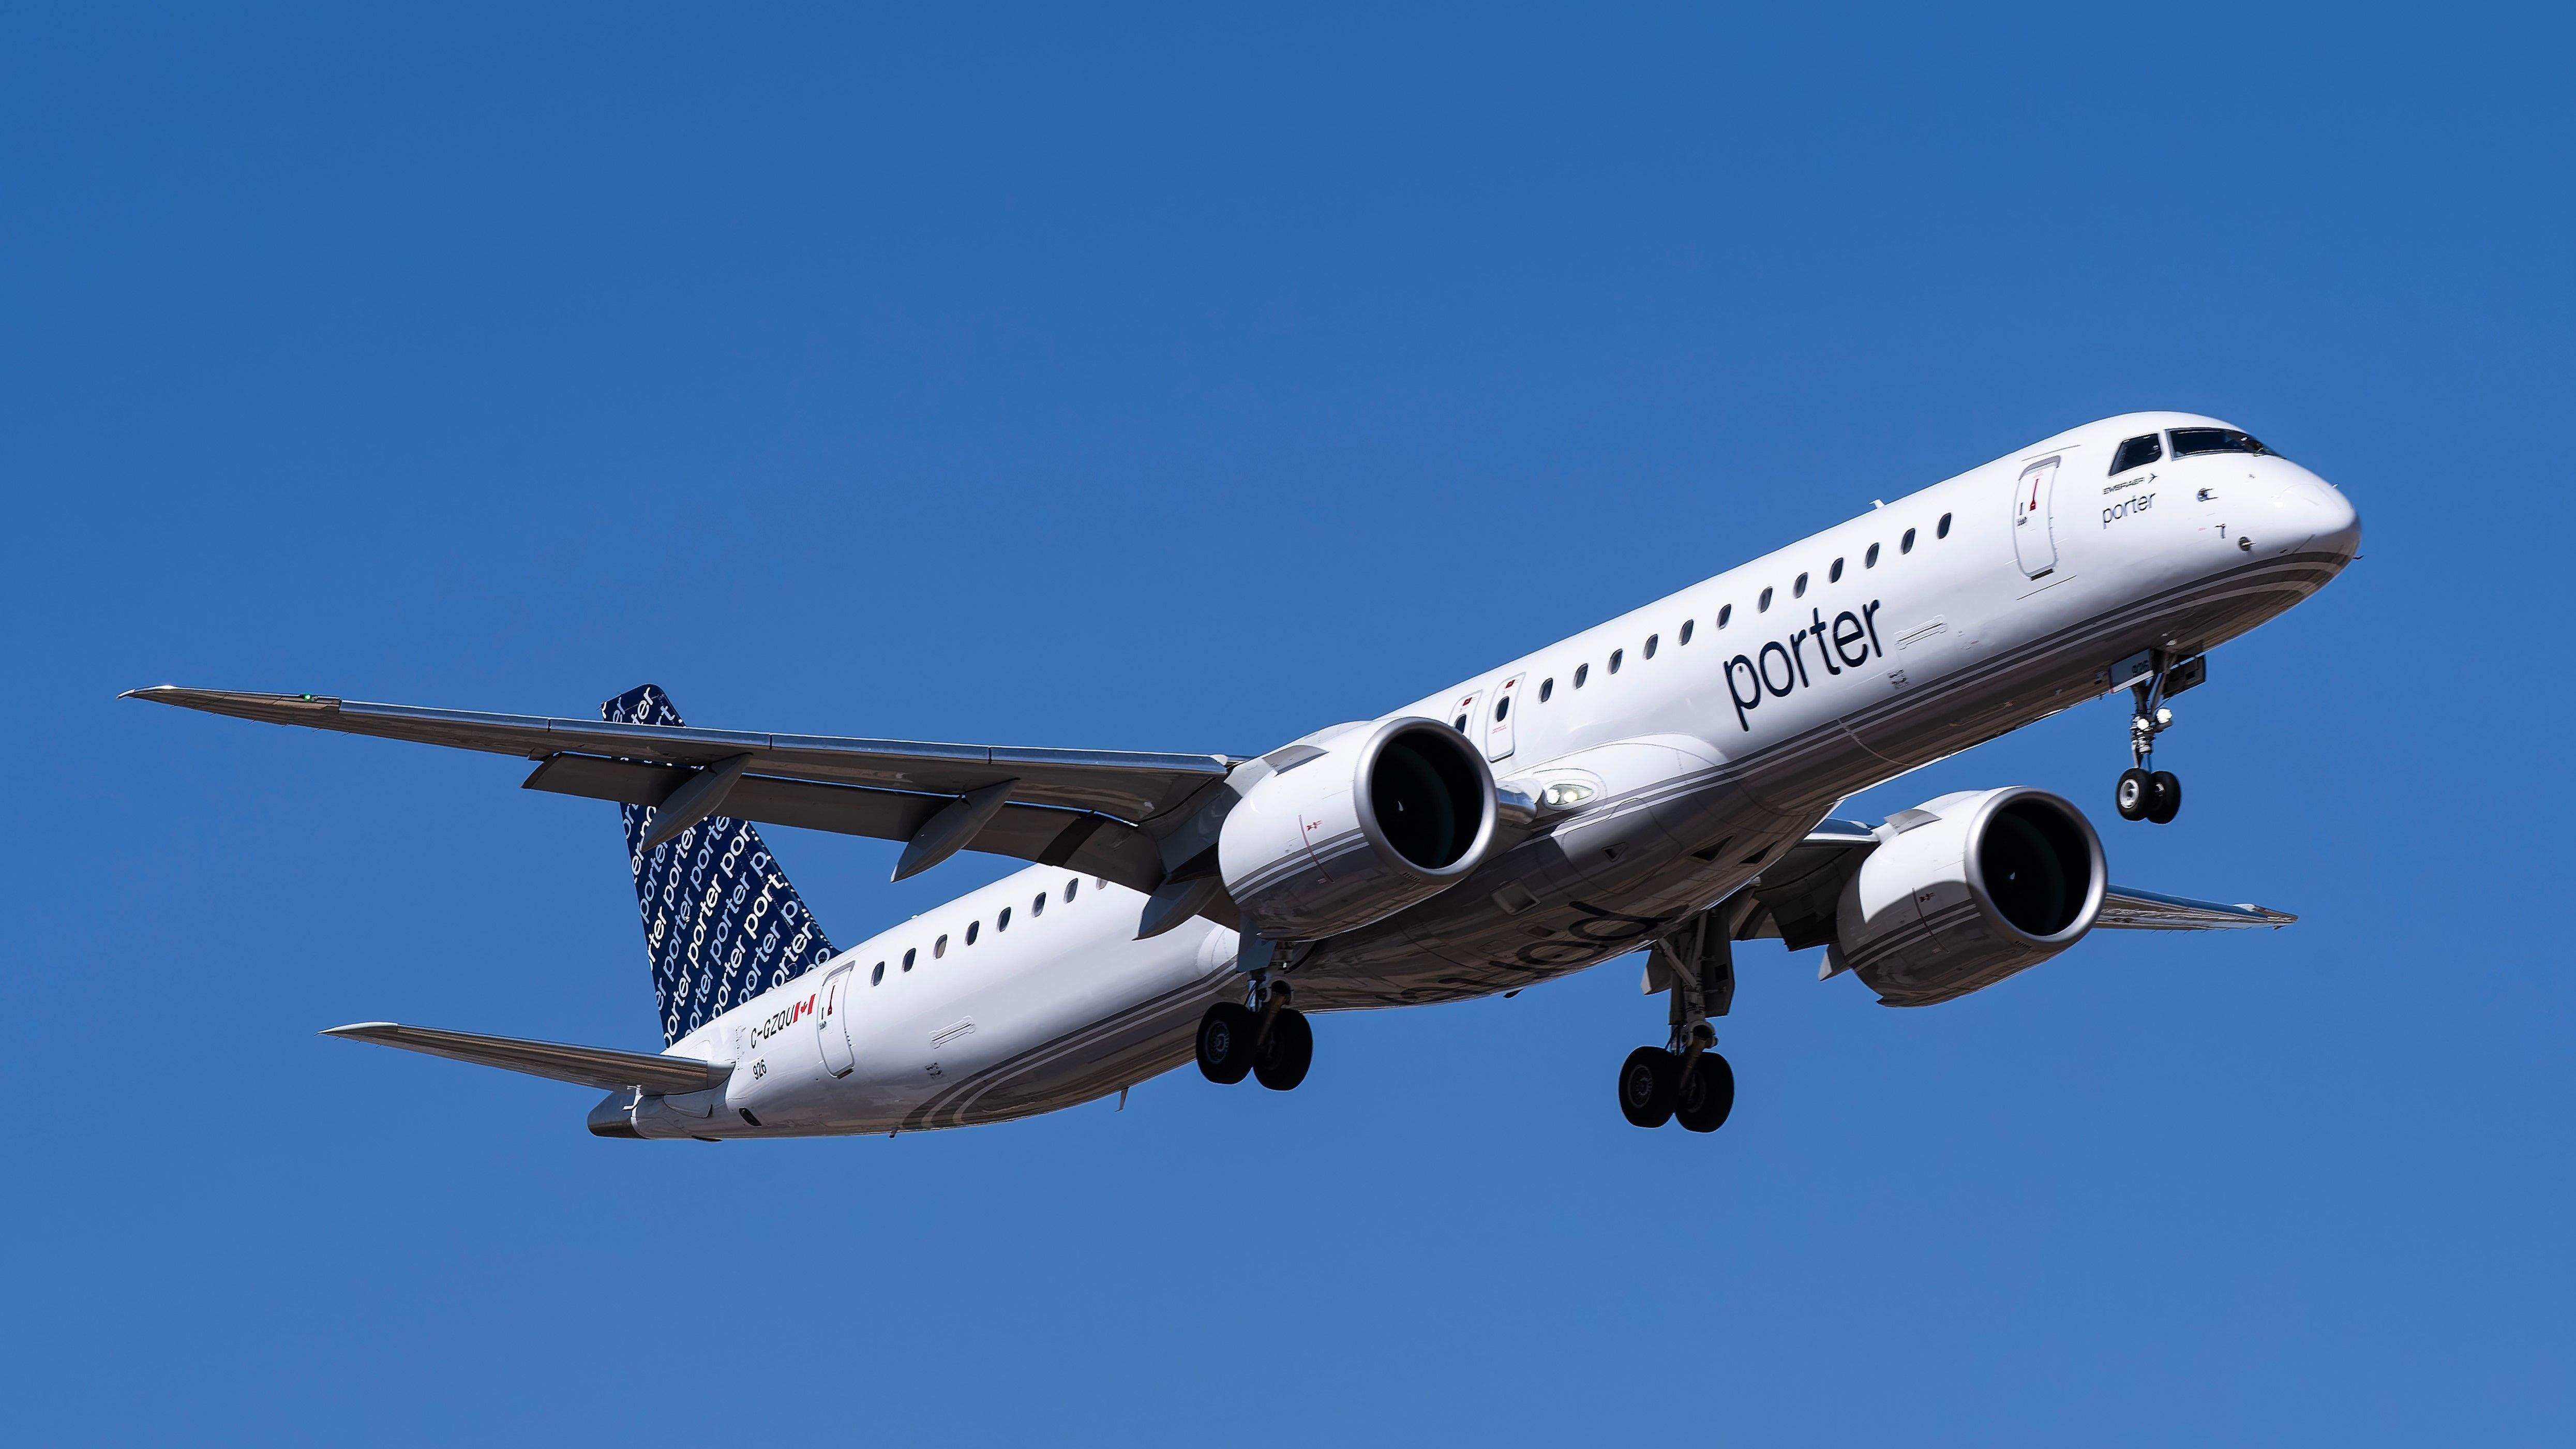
{"x":720,"y":920}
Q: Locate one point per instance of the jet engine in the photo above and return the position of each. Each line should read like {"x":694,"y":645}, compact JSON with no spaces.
{"x":1355,"y":826}
{"x":1965,"y":890}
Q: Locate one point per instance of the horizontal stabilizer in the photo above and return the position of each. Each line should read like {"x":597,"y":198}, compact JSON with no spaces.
{"x":601,"y":1067}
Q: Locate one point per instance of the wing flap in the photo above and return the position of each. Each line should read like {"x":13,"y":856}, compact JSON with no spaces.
{"x":608,"y":1070}
{"x":1129,"y":785}
{"x":1080,"y":840}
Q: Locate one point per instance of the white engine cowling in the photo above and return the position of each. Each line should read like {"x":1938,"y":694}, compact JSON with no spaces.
{"x":1965,"y":890}
{"x":1386,"y":815}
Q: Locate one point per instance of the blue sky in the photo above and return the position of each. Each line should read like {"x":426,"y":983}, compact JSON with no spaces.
{"x":1166,"y":380}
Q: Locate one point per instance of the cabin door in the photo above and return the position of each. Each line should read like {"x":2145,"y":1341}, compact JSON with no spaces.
{"x":2033,"y":544}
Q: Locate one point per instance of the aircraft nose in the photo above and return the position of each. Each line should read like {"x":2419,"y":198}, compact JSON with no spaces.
{"x":2301,"y":512}
{"x":2334,"y":523}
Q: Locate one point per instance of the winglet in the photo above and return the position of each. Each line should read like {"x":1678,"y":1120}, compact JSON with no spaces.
{"x":240,"y":703}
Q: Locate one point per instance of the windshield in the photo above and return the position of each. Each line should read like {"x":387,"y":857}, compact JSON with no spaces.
{"x":2138,"y":452}
{"x":2188,"y":441}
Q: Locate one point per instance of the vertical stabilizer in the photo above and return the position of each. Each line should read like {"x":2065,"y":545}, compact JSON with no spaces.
{"x":720,"y":920}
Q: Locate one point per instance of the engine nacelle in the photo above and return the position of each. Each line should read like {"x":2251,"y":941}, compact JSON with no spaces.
{"x":1965,"y":890}
{"x":1384,"y":816}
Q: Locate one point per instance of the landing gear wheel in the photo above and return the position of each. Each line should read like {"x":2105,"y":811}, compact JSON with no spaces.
{"x":2132,"y":794}
{"x":1225,"y":1042}
{"x":1707,"y":1096}
{"x":1281,"y":1062}
{"x":1646,"y":1087}
{"x":2164,"y":797}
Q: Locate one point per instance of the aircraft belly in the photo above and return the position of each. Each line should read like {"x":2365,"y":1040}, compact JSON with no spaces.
{"x":1105,"y":1051}
{"x":1593,"y":889}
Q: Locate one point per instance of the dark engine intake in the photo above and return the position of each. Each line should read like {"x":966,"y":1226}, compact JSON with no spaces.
{"x":1965,"y":890}
{"x":1356,"y":825}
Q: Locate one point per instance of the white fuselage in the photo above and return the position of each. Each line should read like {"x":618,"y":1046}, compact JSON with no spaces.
{"x":1705,"y":732}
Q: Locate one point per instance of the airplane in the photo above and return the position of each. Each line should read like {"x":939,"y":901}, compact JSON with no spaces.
{"x":1663,"y":783}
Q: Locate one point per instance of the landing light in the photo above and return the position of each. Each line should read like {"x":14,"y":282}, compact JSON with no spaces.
{"x":1565,"y":794}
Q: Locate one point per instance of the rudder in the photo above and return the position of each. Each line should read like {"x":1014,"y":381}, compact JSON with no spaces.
{"x":721,"y":922}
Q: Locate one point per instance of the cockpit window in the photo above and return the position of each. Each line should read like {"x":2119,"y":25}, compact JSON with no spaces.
{"x":2190,"y":441}
{"x":2137,"y":453}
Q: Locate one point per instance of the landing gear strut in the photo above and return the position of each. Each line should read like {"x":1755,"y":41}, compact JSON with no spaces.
{"x":1685,"y":1080}
{"x":2145,"y":792}
{"x":1267,"y":1040}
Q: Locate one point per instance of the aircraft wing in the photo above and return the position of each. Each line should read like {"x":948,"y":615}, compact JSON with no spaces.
{"x":1073,"y":808}
{"x":2127,"y":908}
{"x":1794,"y":898}
{"x":601,"y":1067}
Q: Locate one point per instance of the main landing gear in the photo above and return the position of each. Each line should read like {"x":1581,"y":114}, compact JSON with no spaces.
{"x":1685,"y":1080}
{"x":2144,"y":792}
{"x":1269,"y":1041}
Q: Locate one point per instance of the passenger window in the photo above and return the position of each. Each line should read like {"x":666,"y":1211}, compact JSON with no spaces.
{"x":1687,"y":626}
{"x":1459,"y":724}
{"x":1068,"y":891}
{"x":1724,"y":613}
{"x":1502,"y":708}
{"x":1002,"y":922}
{"x":1546,"y":688}
{"x":1869,"y":560}
{"x":939,"y":948}
{"x":1943,"y":530}
{"x":2137,"y":453}
{"x":973,"y":929}
{"x":908,"y":955}
{"x":1798,"y":588}
{"x":1651,"y":641}
{"x":878,"y":975}
{"x":2191,"y":442}
{"x":1906,"y":544}
{"x":1037,"y":904}
{"x":1615,"y":656}
{"x":1834,"y":575}
{"x":1100,"y":883}
{"x":1762,"y":605}
{"x":1581,"y":671}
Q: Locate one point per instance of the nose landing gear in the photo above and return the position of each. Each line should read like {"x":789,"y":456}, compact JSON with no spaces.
{"x":2144,"y":792}
{"x":1685,"y":1080}
{"x":2142,"y":795}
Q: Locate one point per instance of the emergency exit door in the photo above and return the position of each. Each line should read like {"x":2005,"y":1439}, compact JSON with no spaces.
{"x":1499,"y":726}
{"x":2033,"y":543}
{"x":832,"y":1023}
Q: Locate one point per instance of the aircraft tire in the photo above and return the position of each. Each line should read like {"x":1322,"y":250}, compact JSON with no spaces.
{"x":2164,"y":797}
{"x":2133,"y":793}
{"x":1282,"y":1061}
{"x":1646,"y":1087}
{"x":1705,"y":1100}
{"x":1225,"y":1043}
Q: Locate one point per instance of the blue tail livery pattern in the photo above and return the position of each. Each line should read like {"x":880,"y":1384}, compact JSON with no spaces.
{"x":720,"y":919}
